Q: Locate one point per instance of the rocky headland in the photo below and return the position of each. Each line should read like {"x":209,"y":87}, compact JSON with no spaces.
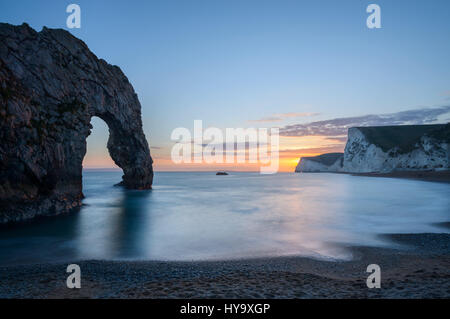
{"x":51,"y":85}
{"x":328,"y":162}
{"x":387,"y":149}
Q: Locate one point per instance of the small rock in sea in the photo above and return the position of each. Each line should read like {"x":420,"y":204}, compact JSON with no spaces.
{"x":221,"y":173}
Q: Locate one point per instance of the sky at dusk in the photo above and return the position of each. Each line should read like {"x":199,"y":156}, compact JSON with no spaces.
{"x":310,"y":68}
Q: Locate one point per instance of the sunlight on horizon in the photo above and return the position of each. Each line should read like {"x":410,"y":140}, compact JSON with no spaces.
{"x":291,"y":150}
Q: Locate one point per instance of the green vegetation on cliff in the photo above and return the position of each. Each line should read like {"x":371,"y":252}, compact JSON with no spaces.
{"x":327,"y":159}
{"x":404,"y":137}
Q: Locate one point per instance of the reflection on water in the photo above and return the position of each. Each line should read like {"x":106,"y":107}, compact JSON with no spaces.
{"x":192,"y":216}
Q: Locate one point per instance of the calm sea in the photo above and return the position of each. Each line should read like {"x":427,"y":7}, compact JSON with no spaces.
{"x":201,"y":216}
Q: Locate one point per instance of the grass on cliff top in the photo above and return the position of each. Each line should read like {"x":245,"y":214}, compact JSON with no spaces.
{"x":404,"y":137}
{"x":326,"y":159}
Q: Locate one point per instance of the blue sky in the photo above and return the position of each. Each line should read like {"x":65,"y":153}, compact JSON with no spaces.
{"x":232,"y":62}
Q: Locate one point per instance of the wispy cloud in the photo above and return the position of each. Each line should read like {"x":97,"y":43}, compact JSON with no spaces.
{"x":281,"y":117}
{"x":298,"y":152}
{"x":339,"y":126}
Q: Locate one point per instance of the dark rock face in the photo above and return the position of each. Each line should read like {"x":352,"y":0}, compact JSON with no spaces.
{"x":51,"y":85}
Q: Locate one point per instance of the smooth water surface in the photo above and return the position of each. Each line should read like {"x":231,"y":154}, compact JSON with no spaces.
{"x":196,"y":216}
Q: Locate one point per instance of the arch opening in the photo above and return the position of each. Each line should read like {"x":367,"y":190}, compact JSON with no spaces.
{"x":126,"y":145}
{"x":97,"y":155}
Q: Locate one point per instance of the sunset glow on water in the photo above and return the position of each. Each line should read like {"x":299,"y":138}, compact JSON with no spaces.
{"x":201,"y":216}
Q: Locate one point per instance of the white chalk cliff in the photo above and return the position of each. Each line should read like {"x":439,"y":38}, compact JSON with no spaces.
{"x":387,"y":149}
{"x":330,"y":162}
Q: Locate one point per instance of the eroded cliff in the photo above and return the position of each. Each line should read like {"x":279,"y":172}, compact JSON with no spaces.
{"x":328,"y":162}
{"x":383,"y":149}
{"x":390,"y":148}
{"x":51,"y":85}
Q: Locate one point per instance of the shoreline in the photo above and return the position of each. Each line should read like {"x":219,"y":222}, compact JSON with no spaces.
{"x":429,"y":176}
{"x":418,"y":267}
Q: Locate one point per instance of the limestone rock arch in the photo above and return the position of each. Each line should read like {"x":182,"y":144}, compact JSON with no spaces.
{"x":51,"y":85}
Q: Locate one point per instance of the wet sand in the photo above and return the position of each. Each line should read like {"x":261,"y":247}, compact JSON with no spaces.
{"x":418,"y":267}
